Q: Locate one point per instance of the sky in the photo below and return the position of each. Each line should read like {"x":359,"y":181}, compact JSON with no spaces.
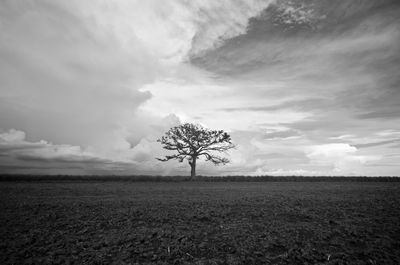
{"x":304,"y":87}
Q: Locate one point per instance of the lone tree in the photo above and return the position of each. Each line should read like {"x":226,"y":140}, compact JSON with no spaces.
{"x":192,"y":141}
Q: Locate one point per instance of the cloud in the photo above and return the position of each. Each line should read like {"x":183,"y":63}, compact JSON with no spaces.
{"x":282,"y":134}
{"x":285,"y":172}
{"x":303,"y":86}
{"x":128,"y":156}
{"x":336,"y":65}
{"x":13,"y":145}
{"x":383,"y":114}
{"x":77,"y":68}
{"x":365,"y":145}
{"x":12,"y":136}
{"x":17,"y":155}
{"x":174,"y":30}
{"x":298,"y":105}
{"x":222,"y":20}
{"x":341,"y":63}
{"x":63,"y":72}
{"x":342,"y":158}
{"x":295,"y":13}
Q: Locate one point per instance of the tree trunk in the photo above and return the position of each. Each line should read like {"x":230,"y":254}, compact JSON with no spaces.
{"x":193,"y":168}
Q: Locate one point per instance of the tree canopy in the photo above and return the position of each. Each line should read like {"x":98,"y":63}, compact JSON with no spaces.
{"x":191,"y":141}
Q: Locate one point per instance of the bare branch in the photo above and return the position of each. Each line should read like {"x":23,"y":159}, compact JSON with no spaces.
{"x":215,"y":159}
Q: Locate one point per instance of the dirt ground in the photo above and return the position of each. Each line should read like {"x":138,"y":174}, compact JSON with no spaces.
{"x":199,"y":223}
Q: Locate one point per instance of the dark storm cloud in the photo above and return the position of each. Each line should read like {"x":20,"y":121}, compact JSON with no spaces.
{"x":345,"y":52}
{"x":278,"y":41}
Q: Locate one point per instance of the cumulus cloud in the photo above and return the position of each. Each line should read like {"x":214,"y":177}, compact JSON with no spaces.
{"x":60,"y":71}
{"x":12,"y":136}
{"x":15,"y":149}
{"x":18,"y":155}
{"x":342,"y":158}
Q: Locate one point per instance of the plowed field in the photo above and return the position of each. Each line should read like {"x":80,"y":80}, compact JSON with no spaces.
{"x":199,"y":223}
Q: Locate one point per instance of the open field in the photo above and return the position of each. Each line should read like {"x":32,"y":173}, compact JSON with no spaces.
{"x":199,"y":223}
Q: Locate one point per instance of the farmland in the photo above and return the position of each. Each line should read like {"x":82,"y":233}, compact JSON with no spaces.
{"x":95,"y":222}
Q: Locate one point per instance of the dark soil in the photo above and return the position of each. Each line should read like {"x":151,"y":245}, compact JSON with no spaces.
{"x":199,"y":223}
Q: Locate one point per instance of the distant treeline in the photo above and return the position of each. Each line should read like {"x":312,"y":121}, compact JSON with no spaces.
{"x":144,"y":178}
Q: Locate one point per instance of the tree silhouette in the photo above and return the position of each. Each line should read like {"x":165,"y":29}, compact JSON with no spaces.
{"x":192,"y":141}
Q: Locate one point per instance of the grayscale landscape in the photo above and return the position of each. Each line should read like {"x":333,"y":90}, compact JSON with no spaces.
{"x":200,"y":132}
